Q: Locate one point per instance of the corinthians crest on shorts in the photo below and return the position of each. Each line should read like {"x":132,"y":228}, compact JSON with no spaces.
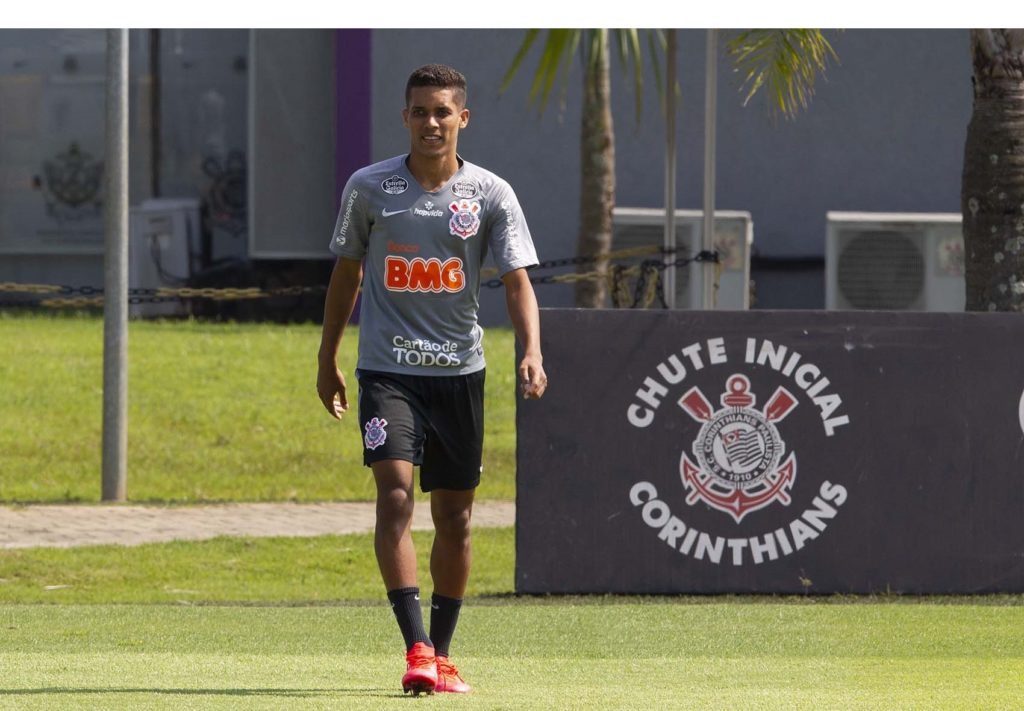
{"x":466,"y":220}
{"x":739,"y":453}
{"x":375,"y":432}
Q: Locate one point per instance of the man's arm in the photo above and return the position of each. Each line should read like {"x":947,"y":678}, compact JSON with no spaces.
{"x":522,"y":309}
{"x":341,"y":299}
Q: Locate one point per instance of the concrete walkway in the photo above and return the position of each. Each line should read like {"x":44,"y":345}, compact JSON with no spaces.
{"x":63,"y":526}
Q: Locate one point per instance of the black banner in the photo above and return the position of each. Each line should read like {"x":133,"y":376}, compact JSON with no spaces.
{"x":773,"y":452}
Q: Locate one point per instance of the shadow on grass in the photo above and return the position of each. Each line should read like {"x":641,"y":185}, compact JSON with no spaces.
{"x":288,"y":693}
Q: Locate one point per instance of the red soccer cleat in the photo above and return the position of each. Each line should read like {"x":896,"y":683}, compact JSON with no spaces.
{"x":421,"y":672}
{"x":448,"y":678}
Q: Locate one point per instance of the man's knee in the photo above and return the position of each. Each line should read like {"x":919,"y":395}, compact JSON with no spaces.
{"x":394,"y":506}
{"x":452,"y":522}
{"x":394,"y":481}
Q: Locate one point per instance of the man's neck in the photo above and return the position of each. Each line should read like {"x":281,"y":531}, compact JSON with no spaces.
{"x":432,"y":174}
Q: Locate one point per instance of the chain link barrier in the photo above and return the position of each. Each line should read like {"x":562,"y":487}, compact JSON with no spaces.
{"x":646,"y":279}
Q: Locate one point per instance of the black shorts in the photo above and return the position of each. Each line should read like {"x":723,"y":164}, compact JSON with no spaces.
{"x":436,"y":422}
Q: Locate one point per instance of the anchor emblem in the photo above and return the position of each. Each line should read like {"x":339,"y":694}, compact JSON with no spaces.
{"x":738,"y":450}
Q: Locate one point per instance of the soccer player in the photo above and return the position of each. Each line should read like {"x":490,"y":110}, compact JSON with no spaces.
{"x":415,"y":229}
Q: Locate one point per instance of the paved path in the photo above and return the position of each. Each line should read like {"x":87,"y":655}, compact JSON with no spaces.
{"x":63,"y":526}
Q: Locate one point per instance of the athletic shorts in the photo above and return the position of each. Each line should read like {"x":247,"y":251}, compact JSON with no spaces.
{"x":436,"y":422}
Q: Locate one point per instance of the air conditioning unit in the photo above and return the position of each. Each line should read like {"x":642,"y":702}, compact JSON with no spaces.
{"x":894,"y":261}
{"x":163,"y":234}
{"x":734,"y":235}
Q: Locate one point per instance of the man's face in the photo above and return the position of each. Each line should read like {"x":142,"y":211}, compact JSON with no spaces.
{"x":433,"y":118}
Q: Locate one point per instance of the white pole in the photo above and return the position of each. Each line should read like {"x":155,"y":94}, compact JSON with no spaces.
{"x":709,"y":294}
{"x":115,"y":268}
{"x":669,"y":282}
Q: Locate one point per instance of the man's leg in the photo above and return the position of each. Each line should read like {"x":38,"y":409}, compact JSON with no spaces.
{"x":392,"y":538}
{"x":451,"y":554}
{"x":396,"y":557}
{"x":392,"y":542}
{"x":449,"y":567}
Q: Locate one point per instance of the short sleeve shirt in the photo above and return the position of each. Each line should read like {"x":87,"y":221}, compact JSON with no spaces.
{"x":422,"y":255}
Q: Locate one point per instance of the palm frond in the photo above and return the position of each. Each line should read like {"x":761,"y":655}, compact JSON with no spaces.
{"x":524,"y":48}
{"x":559,"y":51}
{"x":785,"y":63}
{"x":631,"y":57}
{"x":656,"y":45}
{"x":556,"y":59}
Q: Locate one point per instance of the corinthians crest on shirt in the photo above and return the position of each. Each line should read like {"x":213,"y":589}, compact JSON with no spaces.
{"x":465,"y":221}
{"x":738,"y":450}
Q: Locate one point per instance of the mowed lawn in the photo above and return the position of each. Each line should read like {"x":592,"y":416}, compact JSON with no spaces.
{"x":229,"y":412}
{"x":571,"y":653}
{"x":303,"y":624}
{"x":217,"y":412}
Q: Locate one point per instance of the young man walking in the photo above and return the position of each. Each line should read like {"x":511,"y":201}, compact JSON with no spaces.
{"x":415,"y":229}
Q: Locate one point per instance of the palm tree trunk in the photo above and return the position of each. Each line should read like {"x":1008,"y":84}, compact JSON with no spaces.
{"x":597,"y":163}
{"x":992,"y":196}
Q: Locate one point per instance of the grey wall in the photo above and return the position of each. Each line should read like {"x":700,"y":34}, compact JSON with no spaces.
{"x":44,"y":106}
{"x":885,"y":132}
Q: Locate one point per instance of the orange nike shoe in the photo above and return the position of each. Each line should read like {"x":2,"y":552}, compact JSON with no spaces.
{"x":421,"y":670}
{"x":448,"y":678}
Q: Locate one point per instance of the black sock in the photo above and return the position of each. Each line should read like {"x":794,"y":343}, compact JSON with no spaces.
{"x":444,"y":615}
{"x":405,"y":602}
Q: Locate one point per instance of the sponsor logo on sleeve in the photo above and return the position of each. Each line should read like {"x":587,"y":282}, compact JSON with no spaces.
{"x":339,"y":236}
{"x":376,"y":434}
{"x":426,"y":353}
{"x":395,"y":185}
{"x":465,"y":189}
{"x":740,"y":463}
{"x":465,"y":221}
{"x":510,"y":220}
{"x":424,"y":275}
{"x":511,"y":231}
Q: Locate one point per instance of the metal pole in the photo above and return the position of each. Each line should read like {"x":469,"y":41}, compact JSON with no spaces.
{"x":115,"y":273}
{"x":709,"y":295}
{"x":670,"y":168}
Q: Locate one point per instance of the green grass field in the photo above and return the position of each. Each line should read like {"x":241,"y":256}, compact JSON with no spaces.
{"x":229,"y":412}
{"x":294,"y":571}
{"x":302,"y":623}
{"x":217,"y":412}
{"x":520,"y":654}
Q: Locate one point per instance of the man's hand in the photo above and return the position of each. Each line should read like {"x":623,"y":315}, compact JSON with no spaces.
{"x":533,"y":381}
{"x":330,"y":386}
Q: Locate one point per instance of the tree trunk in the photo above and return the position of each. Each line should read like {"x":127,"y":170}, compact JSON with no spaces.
{"x":992,"y":196}
{"x":597,"y":163}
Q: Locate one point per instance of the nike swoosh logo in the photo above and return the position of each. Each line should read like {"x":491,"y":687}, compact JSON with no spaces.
{"x":389,"y":213}
{"x":435,"y":607}
{"x":417,"y":597}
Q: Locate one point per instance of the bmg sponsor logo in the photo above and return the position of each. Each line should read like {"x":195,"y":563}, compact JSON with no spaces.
{"x":740,"y":462}
{"x":424,"y":275}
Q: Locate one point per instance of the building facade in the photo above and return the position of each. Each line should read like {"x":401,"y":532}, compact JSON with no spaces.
{"x":262,"y":128}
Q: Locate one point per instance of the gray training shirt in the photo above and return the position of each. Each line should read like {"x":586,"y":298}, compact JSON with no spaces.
{"x":423,"y":251}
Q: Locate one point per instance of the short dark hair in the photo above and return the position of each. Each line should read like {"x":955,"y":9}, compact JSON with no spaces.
{"x":440,"y":75}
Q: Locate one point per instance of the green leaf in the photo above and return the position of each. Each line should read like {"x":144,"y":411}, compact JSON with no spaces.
{"x":559,"y":52}
{"x":785,"y":63}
